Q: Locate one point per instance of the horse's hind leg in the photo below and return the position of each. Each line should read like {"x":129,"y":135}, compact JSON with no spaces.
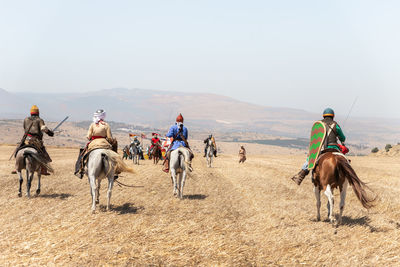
{"x":342,"y":199}
{"x":110,"y":186}
{"x":98,"y":191}
{"x":329,"y":195}
{"x":92,"y":182}
{"x":175,"y":184}
{"x":317,"y":193}
{"x":21,"y":180}
{"x":38,"y":186}
{"x":29,"y":178}
{"x":182,"y":182}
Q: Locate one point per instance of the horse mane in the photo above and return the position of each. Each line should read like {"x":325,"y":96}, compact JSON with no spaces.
{"x":359,"y":187}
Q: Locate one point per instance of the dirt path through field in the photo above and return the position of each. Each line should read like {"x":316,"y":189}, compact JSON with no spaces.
{"x":231,"y":215}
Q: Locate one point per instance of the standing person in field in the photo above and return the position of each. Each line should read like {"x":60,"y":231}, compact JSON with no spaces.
{"x":242,"y":154}
{"x":34,"y":127}
{"x":179,"y":135}
{"x":332,"y":134}
{"x":99,"y":136}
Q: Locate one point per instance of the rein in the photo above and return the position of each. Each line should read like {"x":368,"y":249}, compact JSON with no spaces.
{"x":122,"y":184}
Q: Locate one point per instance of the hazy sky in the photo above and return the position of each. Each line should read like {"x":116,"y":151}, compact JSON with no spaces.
{"x":301,"y":54}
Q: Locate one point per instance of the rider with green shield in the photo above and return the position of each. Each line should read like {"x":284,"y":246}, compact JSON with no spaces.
{"x":324,"y":135}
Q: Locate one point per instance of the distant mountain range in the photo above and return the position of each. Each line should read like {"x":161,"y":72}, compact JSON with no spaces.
{"x":202,"y":112}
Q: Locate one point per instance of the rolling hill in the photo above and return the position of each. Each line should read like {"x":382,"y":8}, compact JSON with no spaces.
{"x":202,"y":112}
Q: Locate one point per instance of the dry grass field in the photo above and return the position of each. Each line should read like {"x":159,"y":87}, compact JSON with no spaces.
{"x":232,"y":215}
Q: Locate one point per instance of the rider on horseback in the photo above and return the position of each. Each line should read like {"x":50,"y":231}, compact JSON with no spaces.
{"x":179,"y":135}
{"x":334,"y":132}
{"x":242,"y":154}
{"x":99,"y":135}
{"x":210,"y":137}
{"x":34,"y":127}
{"x":155,"y":141}
{"x":135,"y":142}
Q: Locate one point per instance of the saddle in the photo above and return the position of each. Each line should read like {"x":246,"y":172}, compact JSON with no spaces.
{"x":83,"y":158}
{"x":333,"y":151}
{"x":38,"y":146}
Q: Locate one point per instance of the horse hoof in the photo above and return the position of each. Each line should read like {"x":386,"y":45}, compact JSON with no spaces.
{"x":20,"y":194}
{"x":97,"y":201}
{"x":93,"y":211}
{"x":37,"y":192}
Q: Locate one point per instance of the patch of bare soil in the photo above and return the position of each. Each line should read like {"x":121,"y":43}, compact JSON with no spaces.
{"x":232,"y":214}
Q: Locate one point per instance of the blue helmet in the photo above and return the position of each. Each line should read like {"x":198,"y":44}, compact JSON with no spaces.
{"x":328,"y":112}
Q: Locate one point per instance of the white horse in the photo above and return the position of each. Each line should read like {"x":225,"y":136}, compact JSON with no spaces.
{"x":210,"y":152}
{"x":29,"y":159}
{"x":103,"y":163}
{"x":135,"y":153}
{"x":179,"y":165}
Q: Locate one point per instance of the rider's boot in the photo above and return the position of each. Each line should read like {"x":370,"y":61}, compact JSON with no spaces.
{"x":205,"y":152}
{"x":79,"y":165}
{"x":215,"y":153}
{"x":166,"y":165}
{"x":298,"y":178}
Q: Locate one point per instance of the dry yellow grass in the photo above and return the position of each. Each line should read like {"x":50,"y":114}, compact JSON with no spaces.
{"x":250,"y":214}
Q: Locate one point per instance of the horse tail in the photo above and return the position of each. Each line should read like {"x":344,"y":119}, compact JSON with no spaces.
{"x":186,"y":161}
{"x":109,"y":156}
{"x":30,"y":155}
{"x":359,"y":187}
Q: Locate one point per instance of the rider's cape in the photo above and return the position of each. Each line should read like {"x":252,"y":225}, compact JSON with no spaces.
{"x":318,"y":134}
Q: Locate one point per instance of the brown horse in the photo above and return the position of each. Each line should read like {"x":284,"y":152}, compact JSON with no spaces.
{"x":156,"y":153}
{"x":127,"y":153}
{"x":334,"y":170}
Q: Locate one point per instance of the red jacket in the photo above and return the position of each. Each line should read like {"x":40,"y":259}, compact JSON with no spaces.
{"x":154,"y":141}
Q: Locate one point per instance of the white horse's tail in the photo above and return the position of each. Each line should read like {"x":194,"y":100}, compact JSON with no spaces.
{"x":120,"y":165}
{"x":186,"y":158}
{"x":39,"y":159}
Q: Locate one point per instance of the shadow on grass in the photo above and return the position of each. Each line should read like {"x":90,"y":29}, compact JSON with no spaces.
{"x":127,"y":208}
{"x":361,"y":221}
{"x":195,"y":196}
{"x":348,"y":221}
{"x":56,"y":195}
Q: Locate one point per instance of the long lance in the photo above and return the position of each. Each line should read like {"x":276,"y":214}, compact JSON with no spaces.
{"x":351,"y":109}
{"x":58,"y":125}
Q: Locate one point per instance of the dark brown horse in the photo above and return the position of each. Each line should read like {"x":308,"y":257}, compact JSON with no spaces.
{"x":156,"y":153}
{"x":334,"y":170}
{"x":127,"y":153}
